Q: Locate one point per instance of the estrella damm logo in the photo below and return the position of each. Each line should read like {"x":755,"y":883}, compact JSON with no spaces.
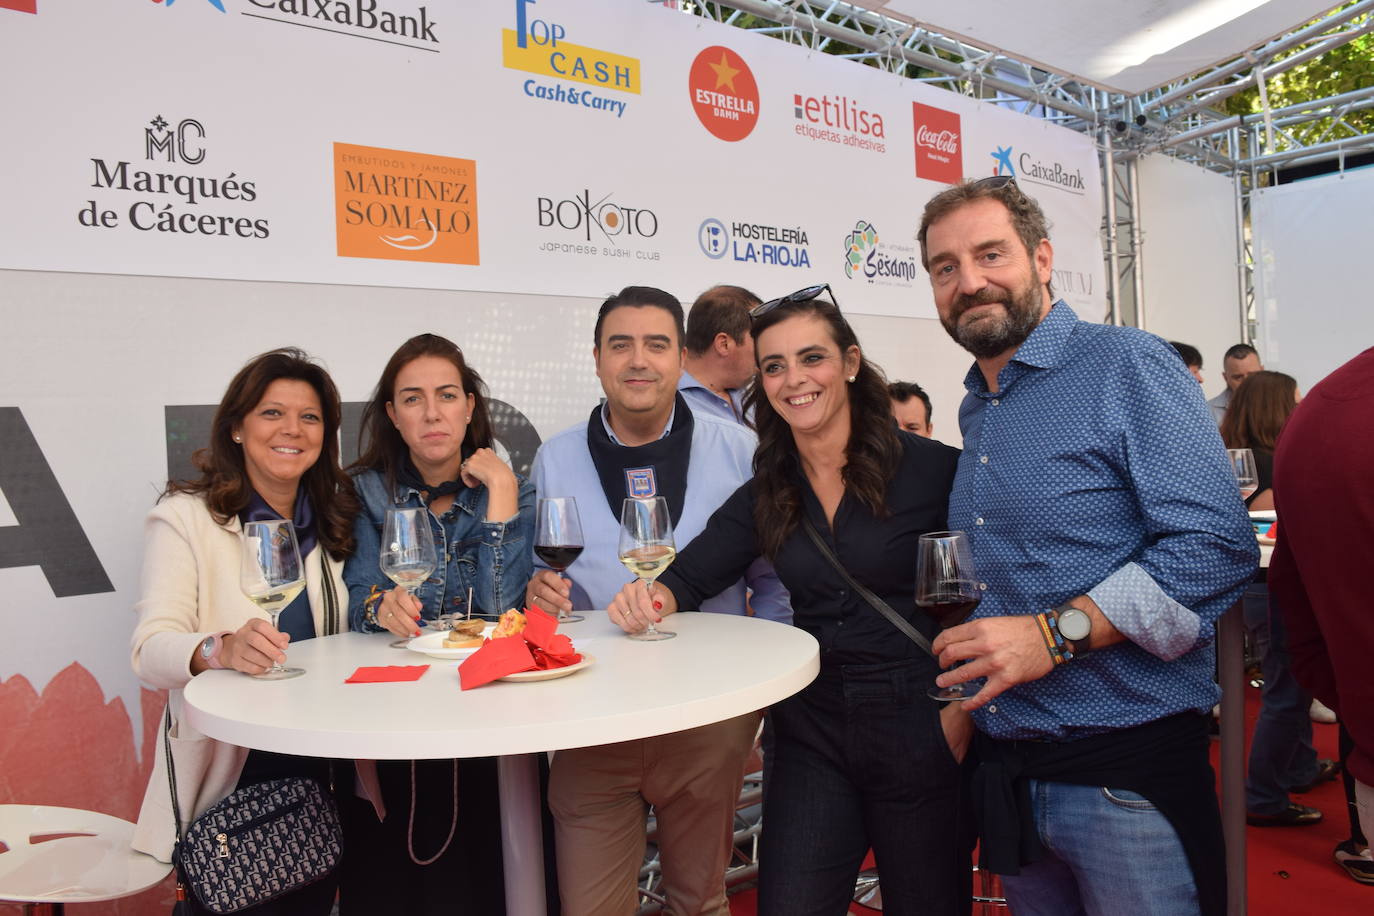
{"x":405,"y":206}
{"x":540,"y":47}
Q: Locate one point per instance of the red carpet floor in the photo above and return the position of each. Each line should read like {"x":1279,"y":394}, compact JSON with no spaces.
{"x":1291,"y":870}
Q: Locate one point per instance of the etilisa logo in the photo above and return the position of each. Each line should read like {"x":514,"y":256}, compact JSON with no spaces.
{"x":724,"y":93}
{"x":540,"y":46}
{"x":754,"y":243}
{"x":175,"y":191}
{"x":838,"y":119}
{"x":938,"y":139}
{"x":404,"y":206}
{"x":879,"y":263}
{"x":603,"y":225}
{"x":1030,"y":169}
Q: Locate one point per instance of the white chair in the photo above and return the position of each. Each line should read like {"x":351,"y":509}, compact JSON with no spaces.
{"x":66,"y":855}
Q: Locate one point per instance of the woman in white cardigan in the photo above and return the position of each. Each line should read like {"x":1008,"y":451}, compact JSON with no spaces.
{"x":273,"y":453}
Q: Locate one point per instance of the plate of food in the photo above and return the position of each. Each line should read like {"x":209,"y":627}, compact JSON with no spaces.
{"x":549,"y":674}
{"x":465,"y":638}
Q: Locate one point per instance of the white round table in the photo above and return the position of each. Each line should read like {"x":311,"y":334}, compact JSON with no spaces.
{"x":69,"y":855}
{"x":719,"y":666}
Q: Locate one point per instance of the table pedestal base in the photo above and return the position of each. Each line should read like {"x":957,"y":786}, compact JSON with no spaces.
{"x":522,"y":834}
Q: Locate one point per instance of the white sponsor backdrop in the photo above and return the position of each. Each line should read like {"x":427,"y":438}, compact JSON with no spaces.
{"x":1311,"y":238}
{"x":106,"y":325}
{"x":248,"y":103}
{"x":1188,"y":226}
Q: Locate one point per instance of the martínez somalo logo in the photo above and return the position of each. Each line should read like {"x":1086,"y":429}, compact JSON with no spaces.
{"x":754,"y":243}
{"x":539,"y":46}
{"x":175,"y":188}
{"x":596,"y":224}
{"x":405,"y":206}
{"x":881,"y":264}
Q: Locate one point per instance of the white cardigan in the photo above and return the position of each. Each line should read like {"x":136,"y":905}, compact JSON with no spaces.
{"x":190,"y":590}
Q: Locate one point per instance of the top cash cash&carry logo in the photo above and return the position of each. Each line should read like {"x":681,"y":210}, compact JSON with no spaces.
{"x":540,"y":46}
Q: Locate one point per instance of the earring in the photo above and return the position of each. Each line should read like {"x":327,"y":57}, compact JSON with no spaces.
{"x":237,"y":439}
{"x":852,"y":378}
{"x":469,"y":419}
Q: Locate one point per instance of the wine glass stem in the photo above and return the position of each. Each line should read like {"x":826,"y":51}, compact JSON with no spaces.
{"x":276,"y":616}
{"x":649,"y":589}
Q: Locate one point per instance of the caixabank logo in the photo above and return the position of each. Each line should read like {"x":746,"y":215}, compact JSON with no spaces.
{"x":1029,"y":168}
{"x":600,"y":224}
{"x":747,"y":242}
{"x":540,"y":46}
{"x":867,"y":257}
{"x":176,"y":189}
{"x":724,"y":93}
{"x":405,"y":206}
{"x":839,"y":119}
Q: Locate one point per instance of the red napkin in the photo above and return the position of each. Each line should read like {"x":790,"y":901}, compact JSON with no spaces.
{"x":540,"y":647}
{"x":386,"y":674}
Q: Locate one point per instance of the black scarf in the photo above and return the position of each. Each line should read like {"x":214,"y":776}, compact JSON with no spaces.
{"x":657,"y":468}
{"x":407,"y":475}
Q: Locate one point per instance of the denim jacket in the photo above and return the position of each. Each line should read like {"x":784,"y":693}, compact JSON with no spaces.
{"x":493,"y":558}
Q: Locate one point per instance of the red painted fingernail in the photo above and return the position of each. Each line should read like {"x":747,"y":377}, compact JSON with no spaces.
{"x":658,"y":605}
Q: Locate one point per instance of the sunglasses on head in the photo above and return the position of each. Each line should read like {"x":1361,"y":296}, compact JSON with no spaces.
{"x":801,"y":295}
{"x":996,"y":182}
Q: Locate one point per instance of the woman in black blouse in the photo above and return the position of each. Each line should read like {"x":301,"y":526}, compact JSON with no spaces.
{"x":862,"y":757}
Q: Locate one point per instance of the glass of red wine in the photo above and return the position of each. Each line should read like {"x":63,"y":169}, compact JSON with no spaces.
{"x":558,"y":539}
{"x":947,"y":589}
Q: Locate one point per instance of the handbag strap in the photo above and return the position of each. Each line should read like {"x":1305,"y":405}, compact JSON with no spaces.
{"x":171,"y":769}
{"x":879,"y":605}
{"x":331,"y":599}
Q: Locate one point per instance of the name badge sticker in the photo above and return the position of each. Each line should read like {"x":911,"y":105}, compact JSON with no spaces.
{"x":640,"y":482}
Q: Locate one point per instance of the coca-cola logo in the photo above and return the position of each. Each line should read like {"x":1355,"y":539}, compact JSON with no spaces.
{"x":946,"y":141}
{"x":936,"y":133}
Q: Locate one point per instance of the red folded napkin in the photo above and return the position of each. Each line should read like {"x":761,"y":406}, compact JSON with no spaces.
{"x":386,"y":674}
{"x":540,"y":647}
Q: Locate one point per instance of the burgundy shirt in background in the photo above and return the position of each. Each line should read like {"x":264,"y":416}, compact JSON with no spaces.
{"x":1322,"y":572}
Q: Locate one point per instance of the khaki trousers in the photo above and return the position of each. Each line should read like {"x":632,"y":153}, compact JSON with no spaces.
{"x":600,"y":797}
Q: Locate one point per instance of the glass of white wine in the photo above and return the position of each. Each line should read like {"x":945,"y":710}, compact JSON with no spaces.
{"x":646,"y":547}
{"x":270,"y":574}
{"x":408,"y":556}
{"x":1243,"y":466}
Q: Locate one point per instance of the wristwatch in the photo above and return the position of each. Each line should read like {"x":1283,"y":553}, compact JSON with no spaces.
{"x":1075,"y":626}
{"x":210,"y":649}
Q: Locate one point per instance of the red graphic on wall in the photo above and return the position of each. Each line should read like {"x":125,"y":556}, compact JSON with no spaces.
{"x":69,"y":748}
{"x":724,"y":94}
{"x":22,"y":6}
{"x":939,"y":144}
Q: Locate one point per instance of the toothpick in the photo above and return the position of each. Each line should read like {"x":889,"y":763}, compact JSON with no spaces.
{"x":469,"y":602}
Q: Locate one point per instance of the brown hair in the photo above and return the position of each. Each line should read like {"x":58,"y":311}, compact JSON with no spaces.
{"x":1026,"y":216}
{"x":720,"y":310}
{"x":1258,"y":409}
{"x":224,"y":478}
{"x":380,"y":445}
{"x":871,"y":455}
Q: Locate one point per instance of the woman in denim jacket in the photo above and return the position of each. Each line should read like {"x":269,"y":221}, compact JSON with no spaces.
{"x":427,"y":442}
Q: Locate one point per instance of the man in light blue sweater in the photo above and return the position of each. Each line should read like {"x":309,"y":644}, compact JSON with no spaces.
{"x":645,"y":441}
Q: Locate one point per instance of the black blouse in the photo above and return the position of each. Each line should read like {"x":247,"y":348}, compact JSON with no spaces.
{"x":880,"y":553}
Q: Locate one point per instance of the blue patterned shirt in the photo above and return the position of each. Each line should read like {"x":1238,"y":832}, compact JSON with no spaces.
{"x":1096,"y":469}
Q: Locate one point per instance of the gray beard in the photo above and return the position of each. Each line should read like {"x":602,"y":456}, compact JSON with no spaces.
{"x":992,"y":337}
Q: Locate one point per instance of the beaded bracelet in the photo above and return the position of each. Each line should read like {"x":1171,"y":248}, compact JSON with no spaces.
{"x":1054,"y":640}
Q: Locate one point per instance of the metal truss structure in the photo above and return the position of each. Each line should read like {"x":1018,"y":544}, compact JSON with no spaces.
{"x":1180,"y":119}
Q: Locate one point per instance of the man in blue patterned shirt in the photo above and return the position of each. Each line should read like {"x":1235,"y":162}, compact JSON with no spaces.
{"x":1109,"y":537}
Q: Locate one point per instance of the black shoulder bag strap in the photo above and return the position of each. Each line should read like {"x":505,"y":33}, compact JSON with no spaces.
{"x":331,"y":598}
{"x":878,"y":604}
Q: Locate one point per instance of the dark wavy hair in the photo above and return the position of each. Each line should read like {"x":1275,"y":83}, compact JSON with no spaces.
{"x":380,"y":445}
{"x":871,"y":455}
{"x":1258,"y":409}
{"x":224,"y":478}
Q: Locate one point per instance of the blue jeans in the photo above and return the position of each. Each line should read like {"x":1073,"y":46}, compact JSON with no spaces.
{"x":860,"y":760}
{"x":1106,"y":851}
{"x":1281,"y":752}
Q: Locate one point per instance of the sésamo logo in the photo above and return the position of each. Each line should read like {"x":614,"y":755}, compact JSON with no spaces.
{"x":878,"y":263}
{"x":724,"y":94}
{"x":539,"y":46}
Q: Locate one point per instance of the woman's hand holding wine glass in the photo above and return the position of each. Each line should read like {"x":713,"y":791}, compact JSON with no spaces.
{"x":647,"y":548}
{"x":408,"y":557}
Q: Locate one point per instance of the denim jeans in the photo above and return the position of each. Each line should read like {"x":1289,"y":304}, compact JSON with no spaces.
{"x":860,"y":760}
{"x":1281,"y":752}
{"x":1106,"y":851}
